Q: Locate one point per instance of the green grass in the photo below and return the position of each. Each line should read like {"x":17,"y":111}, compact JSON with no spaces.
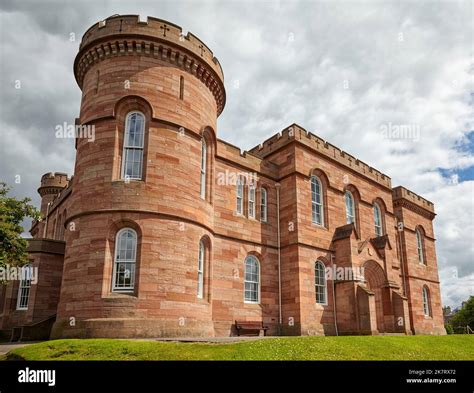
{"x":453,"y":347}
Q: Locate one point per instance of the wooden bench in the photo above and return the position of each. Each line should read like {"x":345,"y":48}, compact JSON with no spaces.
{"x":251,"y":325}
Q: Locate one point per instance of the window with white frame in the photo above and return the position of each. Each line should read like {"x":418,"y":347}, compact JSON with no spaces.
{"x":378,"y":220}
{"x":263,"y":205}
{"x":426,"y":302}
{"x":202,"y":254}
{"x":350,"y":209}
{"x":252,"y":280}
{"x":24,"y":288}
{"x":203,"y":168}
{"x":133,"y":143}
{"x":320,"y":282}
{"x":419,"y":246}
{"x":125,"y":261}
{"x":317,"y":201}
{"x":251,"y":206}
{"x":240,"y":196}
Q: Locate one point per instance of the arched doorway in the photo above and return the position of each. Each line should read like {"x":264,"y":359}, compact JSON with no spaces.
{"x":375,"y":280}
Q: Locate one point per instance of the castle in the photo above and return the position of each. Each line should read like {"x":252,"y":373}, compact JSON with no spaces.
{"x":166,"y":230}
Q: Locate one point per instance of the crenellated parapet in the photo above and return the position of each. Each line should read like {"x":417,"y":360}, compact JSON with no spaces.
{"x":128,"y":35}
{"x":314,"y":142}
{"x":52,"y":183}
{"x":403,"y":197}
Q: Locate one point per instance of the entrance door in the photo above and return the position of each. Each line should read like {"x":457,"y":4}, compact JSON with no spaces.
{"x":375,"y":277}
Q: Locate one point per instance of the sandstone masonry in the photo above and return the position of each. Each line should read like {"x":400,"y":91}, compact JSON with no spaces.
{"x":290,"y":215}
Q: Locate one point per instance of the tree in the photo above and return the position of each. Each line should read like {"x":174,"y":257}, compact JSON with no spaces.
{"x":465,"y":316}
{"x":12,"y":213}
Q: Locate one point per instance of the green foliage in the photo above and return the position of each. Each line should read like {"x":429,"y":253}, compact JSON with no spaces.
{"x":12,"y":213}
{"x":465,"y":316}
{"x":453,"y":347}
{"x":449,"y":328}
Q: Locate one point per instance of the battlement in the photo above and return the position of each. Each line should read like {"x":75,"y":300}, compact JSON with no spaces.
{"x":314,"y":142}
{"x":52,"y":183}
{"x":246,"y":159}
{"x":404,"y":193}
{"x":127,"y":34}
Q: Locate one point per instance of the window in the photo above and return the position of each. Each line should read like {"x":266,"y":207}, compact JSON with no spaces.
{"x":426,"y":302}
{"x":200,"y":288}
{"x":55,"y":230}
{"x":350,"y":212}
{"x":378,"y":220}
{"x":320,"y":283}
{"x":263,"y":204}
{"x":203,"y":168}
{"x":240,"y":196}
{"x":317,"y":201}
{"x":24,"y":288}
{"x":181,"y":87}
{"x":132,"y":160}
{"x":125,"y":259}
{"x":419,"y":245}
{"x":252,"y":280}
{"x":252,"y":200}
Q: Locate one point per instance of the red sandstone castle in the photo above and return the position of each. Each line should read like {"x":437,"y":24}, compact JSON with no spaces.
{"x":166,"y":230}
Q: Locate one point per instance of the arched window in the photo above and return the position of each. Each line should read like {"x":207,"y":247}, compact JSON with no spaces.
{"x":202,"y":254}
{"x":350,"y":209}
{"x":426,"y":301}
{"x":240,"y":196}
{"x":125,"y":260}
{"x":203,"y":168}
{"x":252,"y":280}
{"x":263,"y":205}
{"x":251,"y":206}
{"x":133,"y":142}
{"x":419,"y":246}
{"x":378,"y":220}
{"x":317,"y":200}
{"x":320,"y":282}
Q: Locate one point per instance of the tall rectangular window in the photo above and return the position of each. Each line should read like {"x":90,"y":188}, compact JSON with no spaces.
{"x":200,"y":289}
{"x":316,"y":201}
{"x":203,"y":168}
{"x":252,"y":200}
{"x":378,"y":220}
{"x":240,"y":196}
{"x":263,"y":205}
{"x":350,"y":212}
{"x":24,"y":288}
{"x":252,"y":280}
{"x":320,"y":283}
{"x":132,"y":160}
{"x":125,"y":260}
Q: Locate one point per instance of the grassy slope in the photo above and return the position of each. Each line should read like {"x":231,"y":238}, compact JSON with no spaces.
{"x":455,"y":347}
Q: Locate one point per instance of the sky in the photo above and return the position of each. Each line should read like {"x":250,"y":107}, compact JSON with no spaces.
{"x":352,"y":72}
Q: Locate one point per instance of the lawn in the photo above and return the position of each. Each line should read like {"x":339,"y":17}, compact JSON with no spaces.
{"x":452,"y":347}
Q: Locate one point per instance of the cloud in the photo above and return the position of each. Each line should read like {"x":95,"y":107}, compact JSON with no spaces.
{"x":344,"y":70}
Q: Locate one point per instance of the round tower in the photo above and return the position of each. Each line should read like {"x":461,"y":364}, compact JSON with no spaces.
{"x":142,"y":195}
{"x":51,"y":185}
